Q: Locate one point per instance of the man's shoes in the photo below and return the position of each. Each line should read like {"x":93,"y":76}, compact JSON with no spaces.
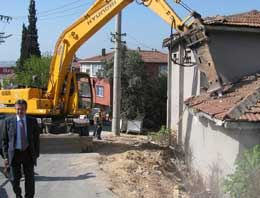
{"x":99,"y":138}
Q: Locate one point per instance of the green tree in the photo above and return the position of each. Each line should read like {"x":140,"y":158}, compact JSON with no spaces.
{"x":244,"y":182}
{"x":32,"y":31}
{"x":133,"y":81}
{"x":29,"y":44}
{"x":143,"y":97}
{"x":156,"y":102}
{"x":35,"y":72}
{"x":24,"y":52}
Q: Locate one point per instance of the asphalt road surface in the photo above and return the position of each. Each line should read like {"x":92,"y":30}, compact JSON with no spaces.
{"x":65,"y":176}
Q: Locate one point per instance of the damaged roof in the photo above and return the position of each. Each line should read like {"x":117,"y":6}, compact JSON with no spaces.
{"x":251,"y":18}
{"x":246,"y":19}
{"x":239,"y":102}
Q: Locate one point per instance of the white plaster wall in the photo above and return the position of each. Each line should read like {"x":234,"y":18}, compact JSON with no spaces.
{"x":175,"y":98}
{"x":190,"y":84}
{"x":214,"y":149}
{"x":210,"y":149}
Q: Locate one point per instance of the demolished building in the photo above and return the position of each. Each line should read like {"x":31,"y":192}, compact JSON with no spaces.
{"x":215,"y":127}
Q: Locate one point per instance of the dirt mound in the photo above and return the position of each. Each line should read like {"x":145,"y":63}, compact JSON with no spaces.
{"x":138,"y":168}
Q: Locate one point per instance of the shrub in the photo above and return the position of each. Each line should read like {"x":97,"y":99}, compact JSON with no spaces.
{"x":245,"y":182}
{"x":163,"y":136}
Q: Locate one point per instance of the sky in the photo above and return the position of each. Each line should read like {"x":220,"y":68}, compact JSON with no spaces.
{"x":143,"y":27}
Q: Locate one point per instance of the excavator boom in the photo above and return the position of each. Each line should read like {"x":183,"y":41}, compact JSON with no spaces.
{"x":86,"y":26}
{"x":61,"y":96}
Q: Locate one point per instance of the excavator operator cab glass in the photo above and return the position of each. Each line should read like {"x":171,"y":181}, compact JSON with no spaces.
{"x":85,"y":93}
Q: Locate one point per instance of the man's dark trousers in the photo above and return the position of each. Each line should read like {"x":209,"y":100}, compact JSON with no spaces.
{"x":24,"y":160}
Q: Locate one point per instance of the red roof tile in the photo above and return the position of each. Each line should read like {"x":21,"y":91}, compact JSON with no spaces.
{"x":147,"y":57}
{"x":108,"y":56}
{"x":154,"y":57}
{"x":233,"y":97}
{"x":251,"y":18}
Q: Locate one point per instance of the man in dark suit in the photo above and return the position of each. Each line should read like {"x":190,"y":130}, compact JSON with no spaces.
{"x":5,"y":169}
{"x":1,"y":127}
{"x":21,"y":148}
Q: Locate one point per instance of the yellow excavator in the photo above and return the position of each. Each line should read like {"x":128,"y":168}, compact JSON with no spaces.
{"x":61,"y":99}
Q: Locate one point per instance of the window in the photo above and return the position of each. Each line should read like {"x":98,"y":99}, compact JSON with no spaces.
{"x":175,"y":56}
{"x":85,"y":89}
{"x":95,"y":69}
{"x":188,"y":54}
{"x":162,"y":70}
{"x":85,"y":68}
{"x":99,"y":91}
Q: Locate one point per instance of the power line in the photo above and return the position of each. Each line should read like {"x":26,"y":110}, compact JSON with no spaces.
{"x":60,"y":7}
{"x":139,"y":42}
{"x":57,"y":17}
{"x":57,"y":10}
{"x":61,"y":11}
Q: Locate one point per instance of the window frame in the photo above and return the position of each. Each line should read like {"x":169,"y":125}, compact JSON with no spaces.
{"x":98,"y":94}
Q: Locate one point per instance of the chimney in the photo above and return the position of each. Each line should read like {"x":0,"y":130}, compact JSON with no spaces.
{"x":103,"y":52}
{"x":138,"y":49}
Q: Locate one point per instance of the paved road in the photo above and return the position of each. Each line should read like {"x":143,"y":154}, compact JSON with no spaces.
{"x":65,"y":176}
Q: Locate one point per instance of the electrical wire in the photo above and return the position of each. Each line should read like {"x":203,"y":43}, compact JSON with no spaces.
{"x":58,"y":16}
{"x":140,"y":43}
{"x":60,"y":9}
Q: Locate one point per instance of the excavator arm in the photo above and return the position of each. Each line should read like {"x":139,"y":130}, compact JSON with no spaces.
{"x":86,"y":26}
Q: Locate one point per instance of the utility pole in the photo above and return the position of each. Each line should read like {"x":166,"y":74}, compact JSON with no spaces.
{"x":117,"y":78}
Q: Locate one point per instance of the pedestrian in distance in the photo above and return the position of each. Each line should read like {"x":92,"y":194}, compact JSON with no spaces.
{"x":21,"y":148}
{"x":98,"y":120}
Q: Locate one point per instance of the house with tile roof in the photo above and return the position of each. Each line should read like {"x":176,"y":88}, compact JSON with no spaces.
{"x":155,"y":64}
{"x":5,"y":71}
{"x":215,"y":128}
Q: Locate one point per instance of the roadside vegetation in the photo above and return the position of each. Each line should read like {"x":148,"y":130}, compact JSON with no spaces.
{"x":163,"y":137}
{"x":31,"y":69}
{"x":143,"y":97}
{"x":245,"y":182}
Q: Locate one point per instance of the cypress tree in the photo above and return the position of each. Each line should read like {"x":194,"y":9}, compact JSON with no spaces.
{"x":24,"y":53}
{"x":29,"y":44}
{"x":32,"y":31}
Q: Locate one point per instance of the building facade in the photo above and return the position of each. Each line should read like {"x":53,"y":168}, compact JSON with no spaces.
{"x":5,"y":72}
{"x":155,"y":64}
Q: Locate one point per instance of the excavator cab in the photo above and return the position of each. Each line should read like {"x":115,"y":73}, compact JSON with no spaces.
{"x":75,"y":99}
{"x":85,"y":90}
